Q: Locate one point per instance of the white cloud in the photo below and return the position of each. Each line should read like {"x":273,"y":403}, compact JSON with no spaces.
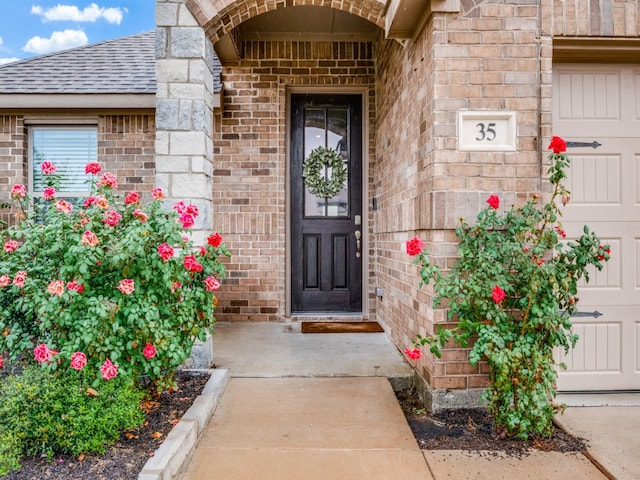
{"x":0,"y":40}
{"x":92,"y":13}
{"x":4,"y":61}
{"x":58,"y":41}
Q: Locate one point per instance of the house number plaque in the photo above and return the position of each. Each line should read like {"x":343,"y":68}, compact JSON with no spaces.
{"x":487,"y":131}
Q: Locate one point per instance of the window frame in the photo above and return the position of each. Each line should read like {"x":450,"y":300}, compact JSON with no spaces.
{"x":74,"y":125}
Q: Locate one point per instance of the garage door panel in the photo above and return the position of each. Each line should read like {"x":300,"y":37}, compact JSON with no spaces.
{"x":600,"y":359}
{"x":591,"y":95}
{"x":636,"y":87}
{"x":595,"y":180}
{"x":636,"y":165}
{"x":602,"y":103}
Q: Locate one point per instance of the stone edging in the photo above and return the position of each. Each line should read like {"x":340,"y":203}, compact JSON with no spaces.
{"x":181,"y":441}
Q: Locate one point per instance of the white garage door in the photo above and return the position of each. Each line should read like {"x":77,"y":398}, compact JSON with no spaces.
{"x":602,"y":103}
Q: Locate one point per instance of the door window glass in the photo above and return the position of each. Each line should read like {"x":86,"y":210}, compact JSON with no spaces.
{"x":327,"y":127}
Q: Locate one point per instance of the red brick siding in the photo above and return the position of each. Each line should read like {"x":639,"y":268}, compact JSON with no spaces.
{"x":250,"y":162}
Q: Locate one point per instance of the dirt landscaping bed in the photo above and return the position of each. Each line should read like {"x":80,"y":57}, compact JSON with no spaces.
{"x":472,"y":429}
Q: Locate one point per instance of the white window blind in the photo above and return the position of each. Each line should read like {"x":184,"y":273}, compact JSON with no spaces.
{"x":70,"y":149}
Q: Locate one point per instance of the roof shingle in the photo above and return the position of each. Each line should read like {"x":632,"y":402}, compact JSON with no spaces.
{"x":124,"y":65}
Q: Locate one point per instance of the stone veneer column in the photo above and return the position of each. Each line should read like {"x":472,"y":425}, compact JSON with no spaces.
{"x":184,"y":111}
{"x":184,"y":121}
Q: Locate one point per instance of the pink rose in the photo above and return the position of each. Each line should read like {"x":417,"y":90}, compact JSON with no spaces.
{"x":187,"y":220}
{"x":157,"y":193}
{"x":498,"y":294}
{"x":108,"y":370}
{"x":494,"y":201}
{"x":191,"y":264}
{"x":102,"y":202}
{"x":18,"y":191}
{"x":1,"y":362}
{"x":414,"y":246}
{"x":175,"y":286}
{"x":20,"y":279}
{"x":165,"y":251}
{"x":126,"y":286}
{"x":42,"y":353}
{"x":74,"y":285}
{"x":180,"y":207}
{"x":92,"y":168}
{"x":49,"y":193}
{"x":211,"y":283}
{"x":78,"y":360}
{"x":10,"y":246}
{"x":414,"y":354}
{"x":140,"y":215}
{"x":89,"y":238}
{"x":5,"y":280}
{"x":132,"y":198}
{"x":56,"y":288}
{"x":48,"y":168}
{"x":561,"y":232}
{"x":89,"y":201}
{"x":108,"y":180}
{"x":112,"y":218}
{"x":64,"y":206}
{"x":149,"y":351}
{"x":214,"y":240}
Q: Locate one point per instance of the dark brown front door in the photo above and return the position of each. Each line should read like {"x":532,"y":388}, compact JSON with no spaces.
{"x":326,"y":233}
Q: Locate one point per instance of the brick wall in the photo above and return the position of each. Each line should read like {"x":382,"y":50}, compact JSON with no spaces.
{"x":604,"y":18}
{"x":250,"y":161}
{"x":12,"y":150}
{"x":126,"y":147}
{"x":484,"y":59}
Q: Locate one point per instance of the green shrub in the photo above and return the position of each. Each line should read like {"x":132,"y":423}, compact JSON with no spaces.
{"x":512,"y":293}
{"x":108,"y":283}
{"x":48,"y":413}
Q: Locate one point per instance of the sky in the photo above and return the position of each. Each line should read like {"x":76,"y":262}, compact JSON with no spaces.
{"x":31,"y":28}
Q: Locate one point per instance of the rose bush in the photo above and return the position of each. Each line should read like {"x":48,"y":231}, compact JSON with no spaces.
{"x":512,"y":293}
{"x":106,"y":283}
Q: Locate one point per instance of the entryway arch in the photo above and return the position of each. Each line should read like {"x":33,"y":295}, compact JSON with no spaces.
{"x":220,"y":17}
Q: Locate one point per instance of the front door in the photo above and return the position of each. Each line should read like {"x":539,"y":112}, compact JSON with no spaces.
{"x":326,"y":230}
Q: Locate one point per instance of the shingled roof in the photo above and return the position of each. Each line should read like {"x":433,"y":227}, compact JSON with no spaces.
{"x":124,"y":65}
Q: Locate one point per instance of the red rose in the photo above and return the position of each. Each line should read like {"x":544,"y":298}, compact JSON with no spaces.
{"x":215,"y":240}
{"x":558,"y":145}
{"x":191,"y":264}
{"x":92,"y":168}
{"x":494,"y":201}
{"x":149,"y":351}
{"x":498,"y":294}
{"x":165,"y":251}
{"x":132,"y":198}
{"x":414,"y":354}
{"x":414,"y":246}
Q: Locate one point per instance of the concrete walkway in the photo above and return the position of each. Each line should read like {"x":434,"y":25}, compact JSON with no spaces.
{"x":319,"y":406}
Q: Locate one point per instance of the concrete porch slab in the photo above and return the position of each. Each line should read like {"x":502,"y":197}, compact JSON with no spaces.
{"x":280,"y":350}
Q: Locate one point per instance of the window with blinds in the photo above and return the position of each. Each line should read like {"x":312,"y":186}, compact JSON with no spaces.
{"x":70,"y":149}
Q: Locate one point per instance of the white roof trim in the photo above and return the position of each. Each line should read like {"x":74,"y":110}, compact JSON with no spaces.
{"x":83,"y":101}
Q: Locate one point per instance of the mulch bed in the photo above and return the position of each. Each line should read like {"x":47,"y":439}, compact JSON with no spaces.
{"x":125,"y":459}
{"x":472,"y":430}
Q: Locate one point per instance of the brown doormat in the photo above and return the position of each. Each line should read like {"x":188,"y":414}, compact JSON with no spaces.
{"x":341,"y":327}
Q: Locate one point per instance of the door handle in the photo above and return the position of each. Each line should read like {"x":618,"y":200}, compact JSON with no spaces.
{"x":358,"y":236}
